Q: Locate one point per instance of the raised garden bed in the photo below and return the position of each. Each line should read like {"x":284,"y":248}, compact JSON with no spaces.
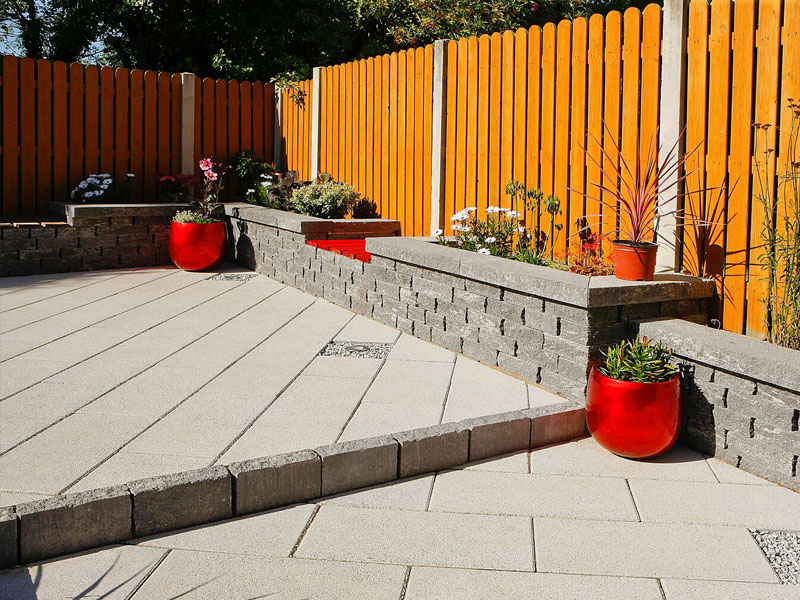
{"x":91,"y":236}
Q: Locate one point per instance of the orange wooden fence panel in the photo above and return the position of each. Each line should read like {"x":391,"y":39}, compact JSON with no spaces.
{"x":744,"y":65}
{"x":63,"y":122}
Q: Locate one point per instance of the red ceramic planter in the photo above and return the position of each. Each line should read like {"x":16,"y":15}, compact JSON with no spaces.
{"x":197,"y":246}
{"x":635,"y":420}
{"x":634,"y":262}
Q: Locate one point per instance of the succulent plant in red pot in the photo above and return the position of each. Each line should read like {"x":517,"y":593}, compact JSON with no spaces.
{"x":633,"y":402}
{"x":198,"y":237}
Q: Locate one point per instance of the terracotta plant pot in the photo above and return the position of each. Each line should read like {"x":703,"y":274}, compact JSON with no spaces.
{"x":197,"y":246}
{"x":634,"y":261}
{"x":635,"y":420}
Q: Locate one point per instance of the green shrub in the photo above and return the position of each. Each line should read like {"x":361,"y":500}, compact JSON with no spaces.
{"x":327,"y":200}
{"x":638,"y":361}
{"x":189,"y":216}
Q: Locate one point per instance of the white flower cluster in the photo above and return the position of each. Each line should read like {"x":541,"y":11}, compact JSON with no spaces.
{"x":94,"y":185}
{"x":464,"y":214}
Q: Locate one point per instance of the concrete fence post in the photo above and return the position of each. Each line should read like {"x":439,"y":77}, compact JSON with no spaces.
{"x":188,"y":83}
{"x":672,"y":122}
{"x":315,"y":123}
{"x":439,"y":123}
{"x":277,"y":147}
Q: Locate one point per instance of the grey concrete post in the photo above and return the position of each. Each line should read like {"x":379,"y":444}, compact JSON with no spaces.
{"x":672,"y":121}
{"x":277,"y":148}
{"x":187,"y":122}
{"x":315,"y":122}
{"x":438,"y":149}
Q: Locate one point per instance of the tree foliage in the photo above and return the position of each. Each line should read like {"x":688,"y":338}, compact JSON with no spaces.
{"x":258,"y":39}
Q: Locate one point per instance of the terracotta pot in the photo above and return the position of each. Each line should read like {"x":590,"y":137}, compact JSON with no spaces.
{"x":634,"y":261}
{"x":635,"y":420}
{"x":197,"y":246}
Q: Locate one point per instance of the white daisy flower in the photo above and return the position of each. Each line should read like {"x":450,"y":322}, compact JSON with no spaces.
{"x":491,"y":210}
{"x":490,"y":240}
{"x":521,"y":229}
{"x":131,"y":175}
{"x":438,"y":232}
{"x":484,"y":251}
{"x":512,"y":214}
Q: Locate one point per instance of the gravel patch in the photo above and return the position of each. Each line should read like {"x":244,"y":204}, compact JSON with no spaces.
{"x":782,"y":549}
{"x":357,"y":349}
{"x":232,"y":276}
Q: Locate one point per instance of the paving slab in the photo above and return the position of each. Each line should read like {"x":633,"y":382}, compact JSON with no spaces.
{"x":408,"y":347}
{"x":586,"y":458}
{"x":419,"y":538}
{"x":726,"y":473}
{"x":677,"y":550}
{"x":492,"y":493}
{"x":404,"y":494}
{"x":516,"y":462}
{"x":273,"y":533}
{"x":344,"y":366}
{"x":477,"y":390}
{"x":214,"y":576}
{"x":753,"y":506}
{"x":364,"y":329}
{"x":112,"y":573}
{"x":428,"y":583}
{"x":683,"y":589}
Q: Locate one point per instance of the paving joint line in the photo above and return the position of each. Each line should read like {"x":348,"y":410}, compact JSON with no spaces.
{"x":447,"y":391}
{"x":121,"y":341}
{"x":149,"y":574}
{"x":133,"y":287}
{"x":173,"y":408}
{"x":75,"y":289}
{"x":430,"y":492}
{"x":533,"y":545}
{"x":633,"y":499}
{"x":661,"y":589}
{"x":404,"y":589}
{"x":303,"y":533}
{"x":121,"y":383}
{"x":284,"y":388}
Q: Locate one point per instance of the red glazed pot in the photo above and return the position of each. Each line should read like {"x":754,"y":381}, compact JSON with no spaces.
{"x":197,"y":246}
{"x":634,"y":261}
{"x":635,"y":420}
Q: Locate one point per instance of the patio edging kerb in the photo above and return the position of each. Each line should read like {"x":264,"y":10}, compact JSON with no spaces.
{"x":52,"y":527}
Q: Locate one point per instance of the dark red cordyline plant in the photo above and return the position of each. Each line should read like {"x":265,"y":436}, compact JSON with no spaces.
{"x":635,"y":193}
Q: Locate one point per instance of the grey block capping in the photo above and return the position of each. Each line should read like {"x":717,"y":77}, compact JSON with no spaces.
{"x":180,"y":500}
{"x":73,"y":522}
{"x":432,"y":449}
{"x":8,"y":537}
{"x":498,"y":434}
{"x":75,"y":213}
{"x":265,"y":483}
{"x":360,"y":463}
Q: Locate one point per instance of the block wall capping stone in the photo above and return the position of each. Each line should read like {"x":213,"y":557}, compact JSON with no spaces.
{"x":159,"y":504}
{"x":75,"y":213}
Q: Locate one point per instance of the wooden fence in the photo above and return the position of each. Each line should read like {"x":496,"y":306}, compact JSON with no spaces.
{"x":743,"y":67}
{"x":61,"y":122}
{"x":296,"y":129}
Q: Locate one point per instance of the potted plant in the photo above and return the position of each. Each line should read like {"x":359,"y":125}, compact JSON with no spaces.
{"x":197,"y":237}
{"x":633,"y":402}
{"x":636,"y":191}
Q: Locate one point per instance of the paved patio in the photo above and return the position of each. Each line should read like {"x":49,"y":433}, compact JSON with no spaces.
{"x":113,"y":376}
{"x":565,"y":522}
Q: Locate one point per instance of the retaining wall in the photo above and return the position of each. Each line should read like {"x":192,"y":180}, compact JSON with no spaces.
{"x":542,"y":324}
{"x":91,"y":236}
{"x":741,"y":398}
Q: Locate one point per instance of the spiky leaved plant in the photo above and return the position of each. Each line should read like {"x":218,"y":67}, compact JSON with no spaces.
{"x":638,"y":361}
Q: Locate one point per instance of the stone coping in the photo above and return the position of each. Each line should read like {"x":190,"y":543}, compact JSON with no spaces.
{"x":76,"y":212}
{"x":733,"y":352}
{"x":69,"y":523}
{"x":571,"y":288}
{"x":309,"y":226}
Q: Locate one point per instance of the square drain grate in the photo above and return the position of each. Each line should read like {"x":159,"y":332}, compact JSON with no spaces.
{"x":782,"y":549}
{"x":357,"y":349}
{"x":242,"y":277}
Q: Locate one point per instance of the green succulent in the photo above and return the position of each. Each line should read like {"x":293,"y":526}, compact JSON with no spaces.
{"x":638,"y":361}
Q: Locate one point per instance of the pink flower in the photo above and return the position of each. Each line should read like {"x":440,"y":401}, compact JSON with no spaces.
{"x":211,"y":175}
{"x":205,"y":164}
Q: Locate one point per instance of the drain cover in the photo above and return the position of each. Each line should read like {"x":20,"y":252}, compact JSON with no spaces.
{"x":232,"y":276}
{"x":357,"y":349}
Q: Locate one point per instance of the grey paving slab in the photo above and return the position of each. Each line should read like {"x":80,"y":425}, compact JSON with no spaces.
{"x":124,"y":467}
{"x":8,"y":498}
{"x":587,"y":458}
{"x":112,"y":573}
{"x":273,"y":533}
{"x":726,"y":473}
{"x":20,"y":373}
{"x":494,"y":493}
{"x":411,"y":382}
{"x":540,"y":396}
{"x":344,"y":366}
{"x":753,"y":506}
{"x":364,"y":329}
{"x":428,"y":583}
{"x":683,"y":589}
{"x":404,"y":494}
{"x":214,"y":576}
{"x":683,"y":551}
{"x":477,"y":390}
{"x":373,"y":419}
{"x":516,"y":462}
{"x":410,"y":348}
{"x":419,"y":538}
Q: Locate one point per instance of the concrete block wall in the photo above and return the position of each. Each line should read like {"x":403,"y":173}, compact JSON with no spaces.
{"x":92,"y":236}
{"x":541,"y":324}
{"x":741,"y":398}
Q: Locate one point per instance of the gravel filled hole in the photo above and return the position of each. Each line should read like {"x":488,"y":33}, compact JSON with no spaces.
{"x":357,"y":349}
